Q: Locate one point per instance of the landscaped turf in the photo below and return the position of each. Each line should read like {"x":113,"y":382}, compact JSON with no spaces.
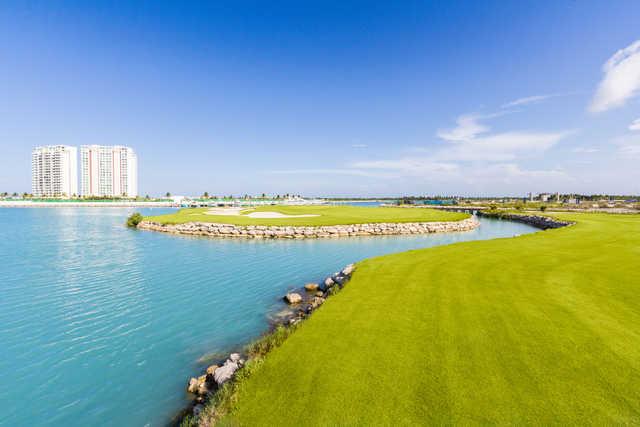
{"x":539,"y":329}
{"x":327,"y":215}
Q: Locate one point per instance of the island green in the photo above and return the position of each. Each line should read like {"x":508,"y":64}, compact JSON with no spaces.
{"x":539,"y":329}
{"x":323,"y":215}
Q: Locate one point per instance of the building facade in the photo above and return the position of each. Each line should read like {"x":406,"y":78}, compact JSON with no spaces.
{"x":108,"y":171}
{"x":54,"y":171}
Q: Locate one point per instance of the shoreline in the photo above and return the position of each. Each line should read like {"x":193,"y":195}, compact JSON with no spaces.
{"x":123,"y":204}
{"x":213,"y":390}
{"x":298,"y":232}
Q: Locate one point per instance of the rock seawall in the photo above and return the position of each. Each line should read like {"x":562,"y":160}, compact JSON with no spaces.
{"x":539,"y":221}
{"x":307,"y":299}
{"x":291,"y":232}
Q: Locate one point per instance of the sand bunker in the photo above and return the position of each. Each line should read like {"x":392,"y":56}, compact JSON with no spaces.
{"x":237,"y":212}
{"x":276,"y":215}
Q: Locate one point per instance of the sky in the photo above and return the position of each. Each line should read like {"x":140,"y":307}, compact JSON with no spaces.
{"x":332,"y":98}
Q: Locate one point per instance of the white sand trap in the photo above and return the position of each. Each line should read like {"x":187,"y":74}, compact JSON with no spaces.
{"x":236,"y":212}
{"x":276,"y":215}
{"x":224,"y":211}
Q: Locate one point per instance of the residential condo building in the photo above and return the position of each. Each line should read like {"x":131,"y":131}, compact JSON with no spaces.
{"x":54,"y":171}
{"x":109,"y":171}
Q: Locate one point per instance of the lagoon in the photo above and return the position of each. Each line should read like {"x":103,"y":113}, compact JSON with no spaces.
{"x":103,"y":325}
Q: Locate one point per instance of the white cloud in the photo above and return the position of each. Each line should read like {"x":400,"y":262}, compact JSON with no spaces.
{"x":531,"y":100}
{"x":502,"y":146}
{"x":635,"y":125}
{"x":509,"y":172}
{"x":468,"y":128}
{"x":359,"y":145}
{"x":347,"y":171}
{"x":416,"y":166}
{"x":585,"y":150}
{"x":628,"y":146}
{"x":621,"y":79}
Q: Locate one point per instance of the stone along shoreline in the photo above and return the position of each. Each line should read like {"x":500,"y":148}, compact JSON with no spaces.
{"x":291,"y":232}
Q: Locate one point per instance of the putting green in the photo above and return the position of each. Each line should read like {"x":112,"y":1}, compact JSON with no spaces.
{"x":320,"y":215}
{"x":539,"y":329}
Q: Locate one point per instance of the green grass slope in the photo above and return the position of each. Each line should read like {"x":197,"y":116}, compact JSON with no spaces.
{"x":327,"y":215}
{"x":539,"y":329}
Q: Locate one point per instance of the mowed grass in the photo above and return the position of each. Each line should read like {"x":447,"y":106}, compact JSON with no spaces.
{"x":539,"y":329}
{"x":327,"y":215}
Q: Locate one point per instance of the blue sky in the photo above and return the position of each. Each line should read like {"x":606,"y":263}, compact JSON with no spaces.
{"x":330,"y":98}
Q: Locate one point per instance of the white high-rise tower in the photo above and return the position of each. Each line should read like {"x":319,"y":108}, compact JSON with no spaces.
{"x":54,"y":171}
{"x":110,"y":171}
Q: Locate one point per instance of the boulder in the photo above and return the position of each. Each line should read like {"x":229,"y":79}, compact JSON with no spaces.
{"x":234,"y":357}
{"x":348,"y":270}
{"x":328,"y":282}
{"x":293,"y":298}
{"x":319,"y":294}
{"x":196,"y":383}
{"x":311,"y":287}
{"x":193,"y":385}
{"x":211,"y":369}
{"x":225,"y":372}
{"x":203,"y":389}
{"x":340,"y":280}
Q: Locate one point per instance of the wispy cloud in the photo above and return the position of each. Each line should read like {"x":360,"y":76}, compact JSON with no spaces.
{"x":635,"y":125}
{"x":628,"y":146}
{"x":621,"y":79}
{"x":534,"y":99}
{"x":359,"y":145}
{"x":502,"y":146}
{"x":344,"y":171}
{"x":585,"y":150}
{"x":468,"y":127}
{"x":473,"y":142}
{"x":409,"y":166}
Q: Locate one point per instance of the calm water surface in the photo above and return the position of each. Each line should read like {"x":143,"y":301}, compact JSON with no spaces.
{"x":103,"y":325}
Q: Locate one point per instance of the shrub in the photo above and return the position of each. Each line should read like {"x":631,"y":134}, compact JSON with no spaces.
{"x":543,"y":208}
{"x":134,"y":219}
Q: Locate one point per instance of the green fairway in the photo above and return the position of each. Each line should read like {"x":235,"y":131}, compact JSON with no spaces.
{"x":539,"y":329}
{"x":326,"y":215}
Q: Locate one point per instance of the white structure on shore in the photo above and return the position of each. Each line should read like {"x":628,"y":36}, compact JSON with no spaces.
{"x":110,"y":171}
{"x":54,"y":171}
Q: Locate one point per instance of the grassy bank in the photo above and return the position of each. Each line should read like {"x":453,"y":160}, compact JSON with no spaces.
{"x":539,"y":329}
{"x":326,"y":215}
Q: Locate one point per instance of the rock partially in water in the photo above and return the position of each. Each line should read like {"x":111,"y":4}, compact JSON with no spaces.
{"x":196,"y":385}
{"x":211,"y":369}
{"x":348,"y":269}
{"x":311,"y":287}
{"x":293,"y":298}
{"x":193,"y":386}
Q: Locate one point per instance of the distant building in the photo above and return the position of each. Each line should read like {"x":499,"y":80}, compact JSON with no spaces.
{"x":54,"y":171}
{"x":544,"y":197}
{"x":108,"y":171}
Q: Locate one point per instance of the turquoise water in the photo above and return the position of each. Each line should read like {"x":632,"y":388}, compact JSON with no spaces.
{"x":102,"y":325}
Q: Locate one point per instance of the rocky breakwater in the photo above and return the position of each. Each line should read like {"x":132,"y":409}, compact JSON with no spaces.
{"x":301,"y":303}
{"x":539,"y":221}
{"x":290,"y":232}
